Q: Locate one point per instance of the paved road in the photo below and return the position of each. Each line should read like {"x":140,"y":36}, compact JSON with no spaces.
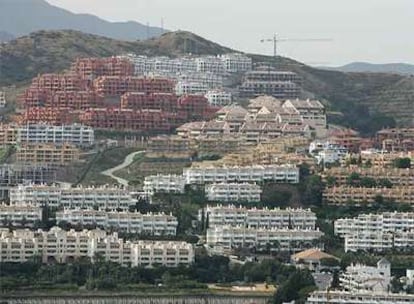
{"x":129,"y":159}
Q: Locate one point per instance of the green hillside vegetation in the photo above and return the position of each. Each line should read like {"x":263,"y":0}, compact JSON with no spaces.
{"x":367,"y":101}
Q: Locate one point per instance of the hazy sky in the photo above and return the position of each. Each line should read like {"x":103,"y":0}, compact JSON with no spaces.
{"x":378,"y":31}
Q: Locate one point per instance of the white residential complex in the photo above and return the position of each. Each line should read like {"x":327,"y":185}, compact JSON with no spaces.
{"x":235,"y":63}
{"x":377,"y":231}
{"x":78,"y":135}
{"x":61,"y":246}
{"x":226,"y":63}
{"x":359,"y":277}
{"x":24,"y":215}
{"x":132,"y":222}
{"x":229,"y":237}
{"x":102,"y":198}
{"x":233,"y":192}
{"x":259,"y":218}
{"x":163,"y":184}
{"x":327,"y":152}
{"x":375,"y":223}
{"x":401,"y":240}
{"x":282,"y":174}
{"x":345,"y":297}
{"x":219,"y":98}
{"x":190,"y":88}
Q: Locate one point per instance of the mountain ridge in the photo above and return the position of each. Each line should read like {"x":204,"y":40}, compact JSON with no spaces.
{"x":15,"y":20}
{"x":366,"y":67}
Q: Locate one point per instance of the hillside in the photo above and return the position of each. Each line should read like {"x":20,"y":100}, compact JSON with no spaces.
{"x":15,"y":19}
{"x":365,"y":99}
{"x":364,"y":67}
{"x":50,"y":51}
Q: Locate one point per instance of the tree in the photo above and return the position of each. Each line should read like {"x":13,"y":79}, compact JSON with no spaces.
{"x":402,"y":162}
{"x":330,"y":181}
{"x":312,"y":193}
{"x":295,"y":286}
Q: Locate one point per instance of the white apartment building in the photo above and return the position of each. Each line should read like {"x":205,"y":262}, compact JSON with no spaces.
{"x":228,"y":237}
{"x":3,"y":101}
{"x":24,"y":215}
{"x":375,"y":223}
{"x":101,"y":198}
{"x":327,"y":152}
{"x":190,"y":88}
{"x":61,"y":246}
{"x":235,"y":62}
{"x":380,"y":241}
{"x":345,"y":297}
{"x":259,"y":218}
{"x":360,"y":277}
{"x":233,"y":192}
{"x":76,"y":134}
{"x":210,"y":64}
{"x":130,"y":222}
{"x":276,"y":173}
{"x":219,"y":98}
{"x":211,"y":80}
{"x":163,"y":183}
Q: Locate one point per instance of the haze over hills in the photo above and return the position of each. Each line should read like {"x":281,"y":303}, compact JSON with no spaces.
{"x":366,"y":100}
{"x":16,"y":21}
{"x":365,"y":67}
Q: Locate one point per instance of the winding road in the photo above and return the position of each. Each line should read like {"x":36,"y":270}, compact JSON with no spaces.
{"x":129,"y":159}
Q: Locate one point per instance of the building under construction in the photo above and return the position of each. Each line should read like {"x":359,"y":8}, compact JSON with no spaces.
{"x":47,"y":154}
{"x":14,"y":174}
{"x":59,"y":82}
{"x":51,"y":116}
{"x":156,"y":101}
{"x":74,"y":100}
{"x":119,"y":85}
{"x":265,"y":81}
{"x":90,"y":68}
{"x":130,"y":120}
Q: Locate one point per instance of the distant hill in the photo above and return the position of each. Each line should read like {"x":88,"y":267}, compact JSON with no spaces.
{"x":364,"y":67}
{"x":5,"y":36}
{"x":366,"y":100}
{"x":21,"y":17}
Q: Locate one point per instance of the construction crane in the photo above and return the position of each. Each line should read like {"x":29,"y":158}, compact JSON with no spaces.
{"x":276,"y":40}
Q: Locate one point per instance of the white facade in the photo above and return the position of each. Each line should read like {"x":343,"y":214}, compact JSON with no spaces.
{"x":344,"y":297}
{"x":210,"y":64}
{"x":190,"y":88}
{"x":164,"y":184}
{"x":376,"y":231}
{"x":283,"y":173}
{"x":102,"y":198}
{"x":375,"y":223}
{"x":235,"y":63}
{"x":24,"y":215}
{"x":233,"y":192}
{"x":229,"y":237}
{"x":131,"y":222}
{"x":61,"y":246}
{"x":367,"y":278}
{"x":401,"y":240}
{"x":78,"y":135}
{"x":259,"y":218}
{"x":3,"y":101}
{"x":327,"y":152}
{"x":219,"y":98}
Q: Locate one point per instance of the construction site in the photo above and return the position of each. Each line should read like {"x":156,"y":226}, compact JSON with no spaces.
{"x":104,"y":93}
